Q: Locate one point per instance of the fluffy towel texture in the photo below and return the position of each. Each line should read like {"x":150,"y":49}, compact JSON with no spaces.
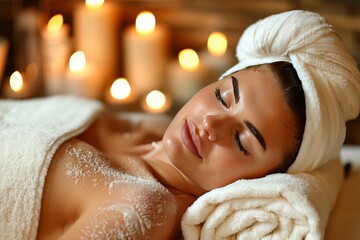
{"x":278,"y":206}
{"x":329,"y":75}
{"x":30,"y":133}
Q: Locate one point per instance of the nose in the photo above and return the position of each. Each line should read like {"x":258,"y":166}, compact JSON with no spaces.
{"x":216,"y":125}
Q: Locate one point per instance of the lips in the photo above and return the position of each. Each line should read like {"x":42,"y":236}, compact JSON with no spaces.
{"x":188,"y":137}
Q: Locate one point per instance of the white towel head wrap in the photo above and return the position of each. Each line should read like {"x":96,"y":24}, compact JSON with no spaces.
{"x":329,"y":76}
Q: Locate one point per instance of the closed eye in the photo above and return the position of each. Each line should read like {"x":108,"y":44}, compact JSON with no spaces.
{"x":239,"y":144}
{"x":219,"y":98}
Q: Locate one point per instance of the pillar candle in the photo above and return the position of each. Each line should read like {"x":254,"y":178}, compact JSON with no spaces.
{"x":27,"y":46}
{"x":56,"y":50}
{"x":215,"y":59}
{"x":97,"y":34}
{"x":145,"y":53}
{"x":81,"y":79}
{"x":185,"y":76}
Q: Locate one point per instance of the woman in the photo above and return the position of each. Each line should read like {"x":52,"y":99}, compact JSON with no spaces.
{"x":249,"y":124}
{"x":109,"y":197}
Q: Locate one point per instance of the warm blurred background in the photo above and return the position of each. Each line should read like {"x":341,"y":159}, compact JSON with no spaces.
{"x":148,"y":55}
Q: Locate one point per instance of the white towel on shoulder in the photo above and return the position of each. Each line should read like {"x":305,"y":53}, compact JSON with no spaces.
{"x":30,"y":133}
{"x":278,"y":206}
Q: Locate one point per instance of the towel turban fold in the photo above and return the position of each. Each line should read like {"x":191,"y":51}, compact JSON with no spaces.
{"x":329,"y":76}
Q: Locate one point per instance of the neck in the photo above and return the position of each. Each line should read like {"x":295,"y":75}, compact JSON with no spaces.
{"x":169,"y":175}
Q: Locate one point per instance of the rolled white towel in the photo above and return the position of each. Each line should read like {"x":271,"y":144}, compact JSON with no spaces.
{"x":278,"y":206}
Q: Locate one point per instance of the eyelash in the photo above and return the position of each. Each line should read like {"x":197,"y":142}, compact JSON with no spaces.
{"x":240,"y":146}
{"x":219,"y":98}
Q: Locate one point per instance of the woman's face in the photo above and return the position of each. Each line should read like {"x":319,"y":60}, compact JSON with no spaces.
{"x":236,"y":128}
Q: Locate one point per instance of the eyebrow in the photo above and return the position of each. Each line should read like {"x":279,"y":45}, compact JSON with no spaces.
{"x":248,"y":124}
{"x":235,"y":85}
{"x":256,"y":133}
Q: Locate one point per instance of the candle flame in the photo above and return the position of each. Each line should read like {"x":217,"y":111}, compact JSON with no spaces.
{"x":16,"y":81}
{"x":145,"y":23}
{"x":94,"y":4}
{"x":77,"y":62}
{"x":189,"y":59}
{"x":155,"y":100}
{"x":120,"y":89}
{"x":55,"y":23}
{"x":217,"y":44}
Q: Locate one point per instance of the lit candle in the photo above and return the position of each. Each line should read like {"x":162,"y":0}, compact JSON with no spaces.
{"x":80,"y":79}
{"x":145,"y":53}
{"x":16,"y":81}
{"x":97,"y":34}
{"x":56,"y":51}
{"x":120,"y":93}
{"x":189,"y":60}
{"x":77,"y":62}
{"x":156,"y":102}
{"x":185,"y":76}
{"x":120,"y":89}
{"x":16,"y":87}
{"x":217,"y":44}
{"x":94,"y":4}
{"x":55,"y":29}
{"x":215,"y":59}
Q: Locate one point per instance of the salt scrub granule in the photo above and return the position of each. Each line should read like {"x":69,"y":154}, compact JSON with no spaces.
{"x":137,"y":202}
{"x":83,"y":164}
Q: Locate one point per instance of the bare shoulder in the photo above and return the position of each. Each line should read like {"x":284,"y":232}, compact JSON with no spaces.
{"x":136,"y":213}
{"x":121,"y":198}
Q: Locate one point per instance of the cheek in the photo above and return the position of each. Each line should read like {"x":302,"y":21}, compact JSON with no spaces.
{"x":227,"y":166}
{"x":230,"y":169}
